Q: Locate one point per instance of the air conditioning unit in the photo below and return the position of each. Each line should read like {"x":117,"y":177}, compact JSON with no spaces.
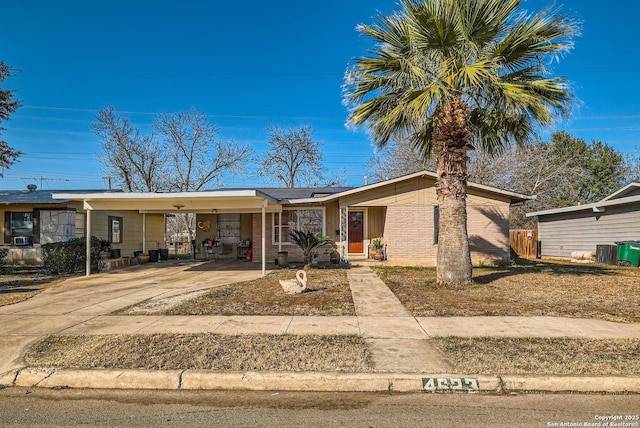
{"x":20,"y":240}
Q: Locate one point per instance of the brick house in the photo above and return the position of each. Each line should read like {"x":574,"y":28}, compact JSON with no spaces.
{"x":402,"y":211}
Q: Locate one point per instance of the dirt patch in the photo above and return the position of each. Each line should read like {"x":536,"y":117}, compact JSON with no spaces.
{"x":533,"y":289}
{"x":203,"y":351}
{"x":19,"y":283}
{"x":328,"y":295}
{"x":560,"y":356}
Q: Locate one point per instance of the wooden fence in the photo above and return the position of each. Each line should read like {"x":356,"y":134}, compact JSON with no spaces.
{"x":524,"y":243}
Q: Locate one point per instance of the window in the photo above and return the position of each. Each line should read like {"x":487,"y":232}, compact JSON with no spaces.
{"x":18,"y":227}
{"x":42,"y":226}
{"x":305,"y":219}
{"x":115,"y":230}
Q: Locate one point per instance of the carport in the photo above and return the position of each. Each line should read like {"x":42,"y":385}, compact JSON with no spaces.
{"x":219,"y":201}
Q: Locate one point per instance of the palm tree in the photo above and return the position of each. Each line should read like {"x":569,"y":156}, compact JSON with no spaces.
{"x":453,"y":75}
{"x":309,"y":241}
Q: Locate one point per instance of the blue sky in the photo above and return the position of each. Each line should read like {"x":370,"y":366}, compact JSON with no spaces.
{"x":248,"y":65}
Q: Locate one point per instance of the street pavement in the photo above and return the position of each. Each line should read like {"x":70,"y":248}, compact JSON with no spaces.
{"x":402,"y":351}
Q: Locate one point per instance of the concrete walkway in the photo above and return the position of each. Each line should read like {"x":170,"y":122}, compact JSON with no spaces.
{"x":399,"y":343}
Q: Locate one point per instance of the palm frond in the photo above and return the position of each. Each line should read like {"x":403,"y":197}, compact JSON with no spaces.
{"x":486,"y":52}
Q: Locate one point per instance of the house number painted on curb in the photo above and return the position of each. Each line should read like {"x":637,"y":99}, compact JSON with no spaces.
{"x":446,"y":384}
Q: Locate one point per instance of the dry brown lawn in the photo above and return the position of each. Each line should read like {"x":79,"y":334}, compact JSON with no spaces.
{"x":534,"y":288}
{"x":19,"y":283}
{"x":561,"y":356}
{"x":328,"y":295}
{"x":486,"y":355}
{"x":203,"y":351}
{"x":537,"y":288}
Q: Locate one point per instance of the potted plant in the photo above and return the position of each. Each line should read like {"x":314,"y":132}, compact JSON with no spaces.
{"x":308,"y":242}
{"x":376,"y":249}
{"x":334,"y":256}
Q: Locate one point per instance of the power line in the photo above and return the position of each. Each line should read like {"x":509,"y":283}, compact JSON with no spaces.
{"x":223,"y":116}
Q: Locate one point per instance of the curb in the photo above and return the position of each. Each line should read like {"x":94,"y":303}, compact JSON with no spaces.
{"x":314,"y":381}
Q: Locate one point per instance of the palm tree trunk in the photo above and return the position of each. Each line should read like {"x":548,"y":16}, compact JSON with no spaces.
{"x":450,"y":144}
{"x":454,"y":258}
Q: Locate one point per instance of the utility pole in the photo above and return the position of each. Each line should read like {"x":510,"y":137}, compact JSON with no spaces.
{"x":109,"y":181}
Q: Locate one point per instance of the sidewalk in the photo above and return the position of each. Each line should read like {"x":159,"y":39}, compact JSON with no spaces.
{"x":400,"y":344}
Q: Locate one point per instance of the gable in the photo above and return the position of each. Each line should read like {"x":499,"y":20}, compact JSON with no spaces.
{"x":416,"y":191}
{"x":419,"y":190}
{"x":631,"y":189}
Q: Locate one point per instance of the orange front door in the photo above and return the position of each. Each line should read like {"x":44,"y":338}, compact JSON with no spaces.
{"x":356,"y":232}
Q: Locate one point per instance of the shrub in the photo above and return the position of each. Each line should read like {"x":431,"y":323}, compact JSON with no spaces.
{"x":3,"y":255}
{"x":309,"y":241}
{"x":70,"y":256}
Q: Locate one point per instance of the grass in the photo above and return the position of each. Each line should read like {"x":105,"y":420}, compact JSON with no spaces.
{"x":537,"y":288}
{"x":203,"y":351}
{"x":329,"y":295}
{"x":486,"y":355}
{"x":568,"y":356}
{"x":19,"y":283}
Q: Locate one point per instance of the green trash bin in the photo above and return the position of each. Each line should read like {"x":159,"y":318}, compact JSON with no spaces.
{"x":629,"y":253}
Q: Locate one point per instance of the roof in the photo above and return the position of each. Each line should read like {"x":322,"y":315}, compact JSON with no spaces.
{"x":244,"y":199}
{"x":630,"y":189}
{"x":14,"y":197}
{"x":514,"y":197}
{"x":629,"y":194}
{"x":285,"y":194}
{"x":218,"y":201}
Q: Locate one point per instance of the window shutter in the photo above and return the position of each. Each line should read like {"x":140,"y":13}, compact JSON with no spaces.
{"x":7,"y":227}
{"x":436,"y":223}
{"x":36,"y":227}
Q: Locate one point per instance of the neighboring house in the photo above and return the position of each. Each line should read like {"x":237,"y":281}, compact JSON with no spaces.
{"x":402,"y":211}
{"x":581,"y":228}
{"x":33,"y":218}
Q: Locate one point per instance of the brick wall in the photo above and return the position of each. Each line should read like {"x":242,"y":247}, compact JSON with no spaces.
{"x":488,"y":228}
{"x":409,"y":234}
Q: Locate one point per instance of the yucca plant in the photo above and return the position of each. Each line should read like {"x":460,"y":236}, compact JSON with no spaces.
{"x":309,"y":241}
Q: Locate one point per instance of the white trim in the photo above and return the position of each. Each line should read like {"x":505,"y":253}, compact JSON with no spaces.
{"x":425,"y":173}
{"x":593,"y":206}
{"x":624,"y":189}
{"x":154,"y":195}
{"x":263,"y":239}
{"x":88,"y":243}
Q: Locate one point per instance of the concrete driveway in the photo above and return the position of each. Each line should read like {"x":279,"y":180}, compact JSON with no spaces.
{"x":81,"y":299}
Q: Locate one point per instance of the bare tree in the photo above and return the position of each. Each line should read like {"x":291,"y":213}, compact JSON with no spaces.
{"x":8,"y":105}
{"x":400,"y":158}
{"x":195,"y":156}
{"x":134,"y":161}
{"x":292,"y":157}
{"x":397,"y":159}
